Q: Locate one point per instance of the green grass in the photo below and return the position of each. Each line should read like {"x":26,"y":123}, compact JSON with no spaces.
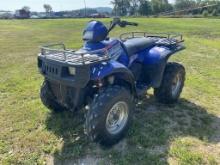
{"x":184,"y":133}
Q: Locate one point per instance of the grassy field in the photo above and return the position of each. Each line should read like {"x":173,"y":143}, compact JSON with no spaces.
{"x":185,"y":133}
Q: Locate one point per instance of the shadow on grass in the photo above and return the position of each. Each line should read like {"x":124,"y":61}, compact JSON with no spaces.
{"x":154,"y":127}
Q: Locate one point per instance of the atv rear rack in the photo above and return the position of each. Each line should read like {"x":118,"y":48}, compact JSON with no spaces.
{"x":59,"y":52}
{"x":167,"y":39}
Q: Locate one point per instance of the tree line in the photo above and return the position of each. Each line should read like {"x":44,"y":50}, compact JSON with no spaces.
{"x":156,"y":7}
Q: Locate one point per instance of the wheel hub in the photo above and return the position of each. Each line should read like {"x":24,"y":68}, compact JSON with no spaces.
{"x":176,"y":85}
{"x":117,"y":117}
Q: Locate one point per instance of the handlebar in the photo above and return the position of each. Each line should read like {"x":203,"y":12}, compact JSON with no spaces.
{"x":130,"y":23}
{"x":117,"y":21}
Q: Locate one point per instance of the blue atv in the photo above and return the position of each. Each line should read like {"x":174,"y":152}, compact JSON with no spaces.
{"x":107,"y":76}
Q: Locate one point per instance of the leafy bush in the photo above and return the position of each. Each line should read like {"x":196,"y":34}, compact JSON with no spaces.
{"x":205,"y":13}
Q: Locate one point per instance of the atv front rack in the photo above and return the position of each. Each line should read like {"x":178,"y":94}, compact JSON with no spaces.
{"x":167,"y":39}
{"x":59,"y":52}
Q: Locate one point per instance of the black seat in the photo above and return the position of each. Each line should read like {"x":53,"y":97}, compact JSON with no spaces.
{"x":135,"y":45}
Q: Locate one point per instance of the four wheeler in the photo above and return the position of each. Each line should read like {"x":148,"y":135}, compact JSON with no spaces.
{"x":107,"y":76}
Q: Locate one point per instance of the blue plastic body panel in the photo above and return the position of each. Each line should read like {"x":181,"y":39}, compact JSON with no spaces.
{"x":151,"y":56}
{"x":119,"y":62}
{"x":156,"y":54}
{"x":154,"y":63}
{"x":100,"y":71}
{"x":154,"y":60}
{"x":95,"y":31}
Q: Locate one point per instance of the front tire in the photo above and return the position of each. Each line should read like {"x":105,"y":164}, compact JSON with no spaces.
{"x":110,"y":115}
{"x":172,"y":84}
{"x":48,"y":99}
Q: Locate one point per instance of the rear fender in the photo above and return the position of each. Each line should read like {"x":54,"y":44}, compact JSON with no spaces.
{"x":109,"y":68}
{"x":155,"y":61}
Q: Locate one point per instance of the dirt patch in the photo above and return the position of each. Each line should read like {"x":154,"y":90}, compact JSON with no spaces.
{"x":86,"y":160}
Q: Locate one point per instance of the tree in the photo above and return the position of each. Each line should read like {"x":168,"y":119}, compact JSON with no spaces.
{"x":48,"y":9}
{"x":166,"y":6}
{"x":160,"y":6}
{"x":23,"y":13}
{"x":214,"y":10}
{"x":134,"y":5}
{"x":145,"y":8}
{"x":26,"y":8}
{"x":142,"y":7}
{"x":185,"y":4}
{"x":121,"y":7}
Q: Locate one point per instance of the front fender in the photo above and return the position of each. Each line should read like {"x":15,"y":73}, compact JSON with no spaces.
{"x":106,"y":69}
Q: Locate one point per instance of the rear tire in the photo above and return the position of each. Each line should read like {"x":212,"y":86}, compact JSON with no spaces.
{"x":109,"y":116}
{"x":172,"y":84}
{"x":48,"y":99}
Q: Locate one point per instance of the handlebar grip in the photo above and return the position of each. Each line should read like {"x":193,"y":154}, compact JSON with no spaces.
{"x":132,"y":23}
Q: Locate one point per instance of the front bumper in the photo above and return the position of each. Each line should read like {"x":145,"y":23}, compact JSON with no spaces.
{"x":57,"y":71}
{"x":69,"y":90}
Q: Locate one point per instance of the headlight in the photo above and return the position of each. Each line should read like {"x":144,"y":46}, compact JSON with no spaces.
{"x":72,"y":71}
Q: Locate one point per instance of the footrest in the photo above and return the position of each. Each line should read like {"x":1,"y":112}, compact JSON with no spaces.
{"x":141,"y":89}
